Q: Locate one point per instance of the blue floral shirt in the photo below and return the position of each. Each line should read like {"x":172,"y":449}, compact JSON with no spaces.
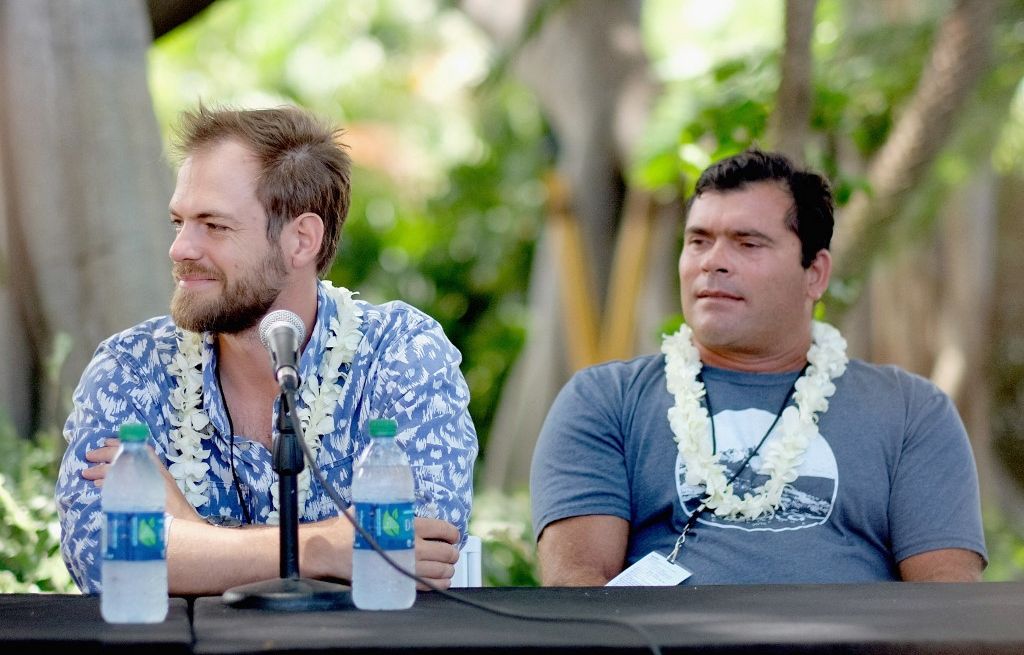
{"x":404,"y":368}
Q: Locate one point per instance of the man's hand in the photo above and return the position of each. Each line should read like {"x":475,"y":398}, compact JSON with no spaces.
{"x":102,"y":457}
{"x":326,"y":550}
{"x":437,"y":551}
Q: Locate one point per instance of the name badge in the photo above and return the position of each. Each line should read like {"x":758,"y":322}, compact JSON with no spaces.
{"x":652,"y":570}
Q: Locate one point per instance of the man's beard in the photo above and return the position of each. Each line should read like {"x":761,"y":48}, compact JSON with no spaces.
{"x":241,"y":304}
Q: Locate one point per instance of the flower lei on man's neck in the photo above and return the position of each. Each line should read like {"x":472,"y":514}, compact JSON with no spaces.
{"x":320,"y":395}
{"x":691,"y":424}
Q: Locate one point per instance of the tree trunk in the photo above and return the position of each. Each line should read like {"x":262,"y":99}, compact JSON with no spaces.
{"x":791,"y":120}
{"x":964,"y":317}
{"x":587,"y":67}
{"x":18,"y":383}
{"x":958,"y":59}
{"x":84,"y":182}
{"x":1006,"y":363}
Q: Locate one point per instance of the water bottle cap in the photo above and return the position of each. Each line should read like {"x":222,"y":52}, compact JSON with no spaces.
{"x":383,"y":427}
{"x":133,"y":432}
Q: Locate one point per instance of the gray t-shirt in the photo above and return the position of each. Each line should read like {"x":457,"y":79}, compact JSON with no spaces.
{"x":891,"y":476}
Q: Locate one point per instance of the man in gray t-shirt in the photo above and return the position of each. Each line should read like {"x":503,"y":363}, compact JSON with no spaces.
{"x":810,"y":469}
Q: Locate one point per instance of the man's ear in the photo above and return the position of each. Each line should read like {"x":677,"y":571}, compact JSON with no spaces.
{"x":301,"y":240}
{"x":818,"y":275}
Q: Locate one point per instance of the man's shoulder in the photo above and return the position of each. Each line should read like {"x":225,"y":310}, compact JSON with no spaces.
{"x":396,"y":332}
{"x":394,"y":314}
{"x":396,"y":322}
{"x":628,"y":375}
{"x":626,"y":368}
{"x":890,"y":391}
{"x":139,"y":341}
{"x":887,"y":378}
{"x":131,"y":356}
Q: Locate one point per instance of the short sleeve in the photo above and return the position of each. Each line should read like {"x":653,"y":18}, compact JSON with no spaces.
{"x":420,"y":385}
{"x":934,"y":500}
{"x":107,"y":397}
{"x":579,"y":465}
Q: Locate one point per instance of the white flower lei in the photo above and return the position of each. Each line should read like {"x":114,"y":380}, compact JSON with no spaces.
{"x":781,"y":458}
{"x":320,"y":393}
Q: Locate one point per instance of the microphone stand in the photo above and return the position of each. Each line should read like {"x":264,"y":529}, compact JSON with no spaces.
{"x":289,"y":593}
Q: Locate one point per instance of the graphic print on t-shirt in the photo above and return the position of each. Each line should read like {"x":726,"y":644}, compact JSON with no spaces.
{"x":806,"y":502}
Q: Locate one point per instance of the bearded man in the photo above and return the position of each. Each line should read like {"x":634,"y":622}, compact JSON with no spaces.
{"x":752,"y":450}
{"x":260,"y":200}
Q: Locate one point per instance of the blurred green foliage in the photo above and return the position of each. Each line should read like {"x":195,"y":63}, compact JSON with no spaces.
{"x":30,"y":559}
{"x":29,"y":532}
{"x":719,"y":109}
{"x":1005,"y":549}
{"x":502,"y":521}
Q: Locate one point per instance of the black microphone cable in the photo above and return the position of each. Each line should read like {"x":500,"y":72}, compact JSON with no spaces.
{"x":651,"y":645}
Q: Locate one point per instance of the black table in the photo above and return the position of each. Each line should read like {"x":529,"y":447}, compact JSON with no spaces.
{"x":872,"y":618}
{"x":72,"y":624}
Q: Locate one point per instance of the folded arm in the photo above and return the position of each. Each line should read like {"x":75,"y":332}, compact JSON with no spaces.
{"x":205,"y":559}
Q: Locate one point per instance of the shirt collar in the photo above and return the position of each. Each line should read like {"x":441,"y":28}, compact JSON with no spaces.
{"x":309,"y":361}
{"x":326,"y":309}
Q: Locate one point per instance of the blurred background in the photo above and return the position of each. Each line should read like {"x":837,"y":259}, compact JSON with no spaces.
{"x":520,"y":172}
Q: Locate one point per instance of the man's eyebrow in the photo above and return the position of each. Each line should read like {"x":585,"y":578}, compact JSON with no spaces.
{"x":203,"y":215}
{"x":745,"y":234}
{"x":732,"y":234}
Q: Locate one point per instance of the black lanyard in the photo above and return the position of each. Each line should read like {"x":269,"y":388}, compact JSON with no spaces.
{"x":697,"y":513}
{"x":246,"y":516}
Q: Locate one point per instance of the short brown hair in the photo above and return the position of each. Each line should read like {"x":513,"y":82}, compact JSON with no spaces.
{"x":304,"y":166}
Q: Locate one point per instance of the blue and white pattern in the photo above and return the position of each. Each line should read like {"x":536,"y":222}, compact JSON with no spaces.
{"x":404,"y":368}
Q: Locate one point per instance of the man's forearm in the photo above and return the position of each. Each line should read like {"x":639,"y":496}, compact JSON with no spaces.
{"x":205,"y":559}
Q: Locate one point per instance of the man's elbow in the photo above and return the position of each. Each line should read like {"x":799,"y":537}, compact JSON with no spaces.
{"x":573,"y":576}
{"x":943,"y":565}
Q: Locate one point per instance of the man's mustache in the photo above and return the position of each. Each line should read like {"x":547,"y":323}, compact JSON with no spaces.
{"x":180,"y":271}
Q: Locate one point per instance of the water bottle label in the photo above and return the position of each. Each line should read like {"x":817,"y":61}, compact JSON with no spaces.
{"x":134,"y":536}
{"x":390,"y":524}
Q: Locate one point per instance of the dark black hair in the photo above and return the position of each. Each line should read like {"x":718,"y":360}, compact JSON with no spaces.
{"x":812,"y":217}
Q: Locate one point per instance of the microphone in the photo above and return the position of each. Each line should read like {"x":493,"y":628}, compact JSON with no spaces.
{"x":282,"y":333}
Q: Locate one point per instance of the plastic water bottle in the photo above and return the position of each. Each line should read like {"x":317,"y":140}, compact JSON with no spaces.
{"x":382,"y":492}
{"x":134,"y":554}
